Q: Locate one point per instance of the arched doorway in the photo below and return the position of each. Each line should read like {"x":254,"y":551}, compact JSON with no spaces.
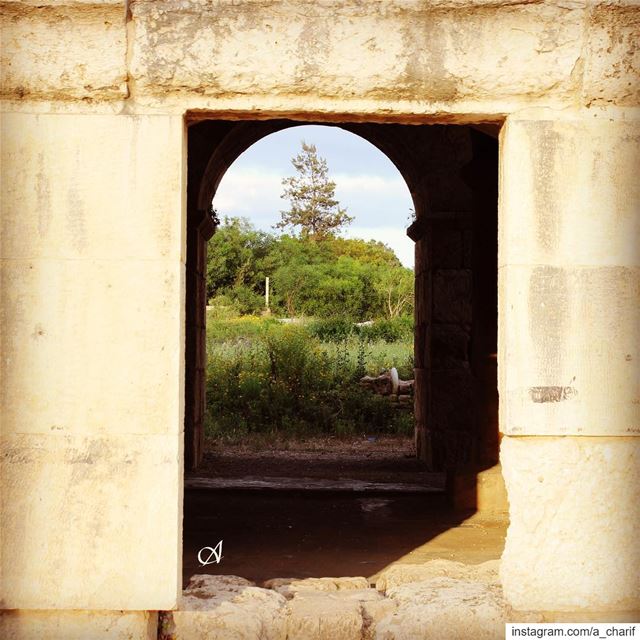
{"x":451,"y":173}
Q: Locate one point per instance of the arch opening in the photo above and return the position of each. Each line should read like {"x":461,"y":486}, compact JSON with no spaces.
{"x":451,"y":174}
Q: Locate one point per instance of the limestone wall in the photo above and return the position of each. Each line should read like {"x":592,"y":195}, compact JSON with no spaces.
{"x":92,"y":360}
{"x":95,"y":96}
{"x":569,"y":337}
{"x":451,"y":59}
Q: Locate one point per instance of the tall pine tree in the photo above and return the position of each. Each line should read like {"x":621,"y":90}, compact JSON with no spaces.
{"x":313,"y":207}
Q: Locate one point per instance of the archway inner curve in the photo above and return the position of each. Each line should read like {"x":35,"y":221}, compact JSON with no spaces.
{"x":451,"y":174}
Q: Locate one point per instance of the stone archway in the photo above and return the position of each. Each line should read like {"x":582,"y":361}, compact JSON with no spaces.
{"x":451,"y":173}
{"x":94,"y":99}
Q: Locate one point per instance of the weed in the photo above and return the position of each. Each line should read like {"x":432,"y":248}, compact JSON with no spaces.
{"x":264,"y":377}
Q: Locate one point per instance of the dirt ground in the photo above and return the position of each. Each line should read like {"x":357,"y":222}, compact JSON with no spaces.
{"x":373,"y":459}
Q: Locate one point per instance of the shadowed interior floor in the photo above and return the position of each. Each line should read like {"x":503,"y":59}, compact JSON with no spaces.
{"x":269,"y":534}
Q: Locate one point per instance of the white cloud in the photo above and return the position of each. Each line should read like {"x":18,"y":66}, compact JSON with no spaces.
{"x":247,"y":191}
{"x":377,"y":183}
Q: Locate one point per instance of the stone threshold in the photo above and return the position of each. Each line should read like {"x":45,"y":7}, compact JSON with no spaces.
{"x":277,"y":483}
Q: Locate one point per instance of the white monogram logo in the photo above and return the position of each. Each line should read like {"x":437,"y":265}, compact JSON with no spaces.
{"x":214,"y":552}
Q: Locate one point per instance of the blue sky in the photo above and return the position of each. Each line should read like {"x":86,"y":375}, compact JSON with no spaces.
{"x":367,"y":184}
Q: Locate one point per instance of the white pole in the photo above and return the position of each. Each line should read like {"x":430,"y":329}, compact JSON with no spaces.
{"x":266,"y":292}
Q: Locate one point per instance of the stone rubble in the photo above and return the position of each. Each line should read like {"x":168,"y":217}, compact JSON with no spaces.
{"x":409,"y":602}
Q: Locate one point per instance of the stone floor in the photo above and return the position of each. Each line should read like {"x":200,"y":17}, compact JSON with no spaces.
{"x":300,"y":534}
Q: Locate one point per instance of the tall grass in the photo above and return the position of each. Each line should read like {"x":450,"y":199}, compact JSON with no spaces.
{"x":266,"y":377}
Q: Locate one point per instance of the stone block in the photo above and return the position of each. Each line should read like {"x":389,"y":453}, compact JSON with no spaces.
{"x":91,"y":522}
{"x":447,"y":249}
{"x":225,"y":608}
{"x":399,"y":574}
{"x":483,"y":491}
{"x":79,"y":625}
{"x":612,"y":59}
{"x":569,"y":350}
{"x":452,"y":400}
{"x":525,"y":51}
{"x":574,"y":510}
{"x":445,"y":607}
{"x":91,"y":346}
{"x":449,"y":347}
{"x":323,"y":616}
{"x":109,"y":187}
{"x":70,"y":51}
{"x":289,"y":587}
{"x":569,"y":191}
{"x":452,"y":290}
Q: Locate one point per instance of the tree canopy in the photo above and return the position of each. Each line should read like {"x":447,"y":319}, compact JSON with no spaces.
{"x":311,"y":195}
{"x":337,"y":277}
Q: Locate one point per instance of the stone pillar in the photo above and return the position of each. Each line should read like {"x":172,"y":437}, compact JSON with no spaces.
{"x":569,"y":347}
{"x":92,"y":301}
{"x":442,"y":231}
{"x":201,"y":226}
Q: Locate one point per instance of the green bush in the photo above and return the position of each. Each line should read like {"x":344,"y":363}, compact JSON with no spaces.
{"x":324,"y":278}
{"x":331,"y":329}
{"x":223,"y":330}
{"x":264,"y":377}
{"x":222,"y":307}
{"x":388,"y":330}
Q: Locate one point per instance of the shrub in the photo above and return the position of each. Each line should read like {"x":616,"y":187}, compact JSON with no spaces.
{"x":390,"y":330}
{"x":331,"y":329}
{"x":222,"y":307}
{"x":223,"y":330}
{"x":265,"y":377}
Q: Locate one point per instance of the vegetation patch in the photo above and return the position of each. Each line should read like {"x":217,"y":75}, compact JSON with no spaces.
{"x":280,"y":379}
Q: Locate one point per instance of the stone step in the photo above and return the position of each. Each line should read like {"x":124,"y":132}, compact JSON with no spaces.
{"x":277,"y":483}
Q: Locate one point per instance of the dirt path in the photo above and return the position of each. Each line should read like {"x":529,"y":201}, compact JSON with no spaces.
{"x":379,"y":460}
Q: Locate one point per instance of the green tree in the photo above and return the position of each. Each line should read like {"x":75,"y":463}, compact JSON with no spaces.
{"x":235,"y":255}
{"x":335,"y":278}
{"x":366,"y":251}
{"x":313,"y":207}
{"x":395,"y":290}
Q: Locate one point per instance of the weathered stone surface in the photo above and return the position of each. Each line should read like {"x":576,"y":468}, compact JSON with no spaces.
{"x":100,"y":187}
{"x":323,"y":616}
{"x":447,"y":250}
{"x":612,"y":60}
{"x":450,"y":346}
{"x":289,"y":587}
{"x":226,"y":608}
{"x":462,"y":610}
{"x":89,"y":319}
{"x":79,"y":516}
{"x":452,"y":392}
{"x":350,"y":612}
{"x":92,"y":246}
{"x":538,"y":53}
{"x":574,"y":509}
{"x":400,"y":574}
{"x":525,"y":51}
{"x":483,"y":491}
{"x":452,"y":296}
{"x":569,"y":274}
{"x":373,"y":611}
{"x":569,"y":193}
{"x":205,"y":586}
{"x":63,"y":51}
{"x":571,"y":336}
{"x":78,"y":625}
